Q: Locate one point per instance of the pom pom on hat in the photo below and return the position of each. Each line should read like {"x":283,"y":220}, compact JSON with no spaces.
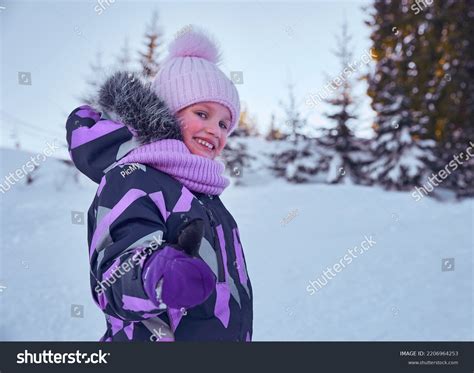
{"x":193,"y":41}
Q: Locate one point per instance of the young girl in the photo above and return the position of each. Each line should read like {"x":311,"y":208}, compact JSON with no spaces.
{"x":166,"y":259}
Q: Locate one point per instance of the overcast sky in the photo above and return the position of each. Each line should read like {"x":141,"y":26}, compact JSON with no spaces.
{"x":272,"y":43}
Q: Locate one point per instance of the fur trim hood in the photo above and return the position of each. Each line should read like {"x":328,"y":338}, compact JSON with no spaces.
{"x":123,"y":115}
{"x":129,"y":100}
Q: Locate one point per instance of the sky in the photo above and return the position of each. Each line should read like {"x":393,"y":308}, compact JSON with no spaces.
{"x":271,"y":43}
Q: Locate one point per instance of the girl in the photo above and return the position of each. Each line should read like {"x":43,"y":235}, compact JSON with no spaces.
{"x":166,"y":259}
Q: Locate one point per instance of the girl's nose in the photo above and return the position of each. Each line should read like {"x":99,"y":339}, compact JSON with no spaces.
{"x":213,"y":129}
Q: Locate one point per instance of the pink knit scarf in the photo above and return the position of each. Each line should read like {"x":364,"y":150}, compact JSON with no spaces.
{"x":173,"y":157}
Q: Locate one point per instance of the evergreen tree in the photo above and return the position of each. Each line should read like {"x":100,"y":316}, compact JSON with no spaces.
{"x":403,"y":153}
{"x":297,"y":163}
{"x":343,"y":155}
{"x":293,"y":120}
{"x":274,"y":133}
{"x":295,"y":159}
{"x":149,"y":60}
{"x":247,"y":124}
{"x":236,"y":157}
{"x":235,"y":153}
{"x":449,"y":101}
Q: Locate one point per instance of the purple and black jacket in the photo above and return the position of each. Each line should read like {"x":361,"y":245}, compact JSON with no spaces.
{"x":136,"y":211}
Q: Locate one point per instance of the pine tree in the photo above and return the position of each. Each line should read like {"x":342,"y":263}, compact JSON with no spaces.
{"x":403,"y":153}
{"x":235,"y":154}
{"x":293,"y":121}
{"x":449,"y":101}
{"x":343,"y":155}
{"x":247,"y":125}
{"x":236,"y":157}
{"x":296,"y":158}
{"x":274,"y":133}
{"x":149,"y":60}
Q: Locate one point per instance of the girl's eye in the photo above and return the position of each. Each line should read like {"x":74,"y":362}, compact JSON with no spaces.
{"x":223,"y":125}
{"x":203,"y":113}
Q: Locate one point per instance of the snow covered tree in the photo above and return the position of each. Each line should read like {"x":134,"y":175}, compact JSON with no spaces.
{"x":295,"y":159}
{"x":293,"y":118}
{"x":342,"y":153}
{"x":236,"y":157}
{"x":247,"y":124}
{"x":448,"y":40}
{"x":403,"y":153}
{"x":274,"y":133}
{"x":235,"y":154}
{"x":401,"y":159}
{"x":296,"y":162}
{"x":149,"y":59}
{"x":432,"y":63}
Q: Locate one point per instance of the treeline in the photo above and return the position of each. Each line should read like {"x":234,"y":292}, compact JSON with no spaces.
{"x":421,"y":88}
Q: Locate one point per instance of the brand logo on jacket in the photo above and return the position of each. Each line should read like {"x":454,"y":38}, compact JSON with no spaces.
{"x":127,"y":171}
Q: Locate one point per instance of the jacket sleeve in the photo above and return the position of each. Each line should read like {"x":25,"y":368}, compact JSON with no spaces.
{"x":129,"y":228}
{"x":94,"y":140}
{"x":133,"y":265}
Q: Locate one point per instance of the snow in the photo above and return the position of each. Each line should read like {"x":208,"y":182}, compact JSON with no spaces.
{"x":405,"y":137}
{"x":291,"y":170}
{"x":335,"y":168}
{"x":394,"y":291}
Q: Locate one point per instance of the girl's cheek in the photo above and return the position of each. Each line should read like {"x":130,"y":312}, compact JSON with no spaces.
{"x":191,"y":125}
{"x":186,"y":127}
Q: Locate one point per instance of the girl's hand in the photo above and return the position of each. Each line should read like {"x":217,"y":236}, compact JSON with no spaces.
{"x":186,"y":279}
{"x":190,"y":236}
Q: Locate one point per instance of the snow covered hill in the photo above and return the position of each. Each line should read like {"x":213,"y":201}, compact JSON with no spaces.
{"x":396,"y":290}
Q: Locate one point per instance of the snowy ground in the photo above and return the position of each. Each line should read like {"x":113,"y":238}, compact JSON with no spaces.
{"x":394,"y":291}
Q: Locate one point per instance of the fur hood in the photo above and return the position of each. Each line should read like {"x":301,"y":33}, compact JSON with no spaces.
{"x":124,"y":114}
{"x":125,"y":98}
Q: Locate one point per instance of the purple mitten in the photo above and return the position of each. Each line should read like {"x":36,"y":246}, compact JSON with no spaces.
{"x":187,"y":281}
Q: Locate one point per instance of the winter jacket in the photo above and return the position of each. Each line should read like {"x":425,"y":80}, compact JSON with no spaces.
{"x":137,"y":210}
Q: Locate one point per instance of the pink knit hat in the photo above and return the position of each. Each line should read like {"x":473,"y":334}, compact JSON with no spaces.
{"x":190,"y":74}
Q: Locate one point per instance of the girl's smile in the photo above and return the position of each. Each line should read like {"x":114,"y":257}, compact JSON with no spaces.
{"x":205,"y":127}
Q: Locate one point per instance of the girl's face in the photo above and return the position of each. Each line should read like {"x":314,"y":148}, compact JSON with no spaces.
{"x":205,"y":127}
